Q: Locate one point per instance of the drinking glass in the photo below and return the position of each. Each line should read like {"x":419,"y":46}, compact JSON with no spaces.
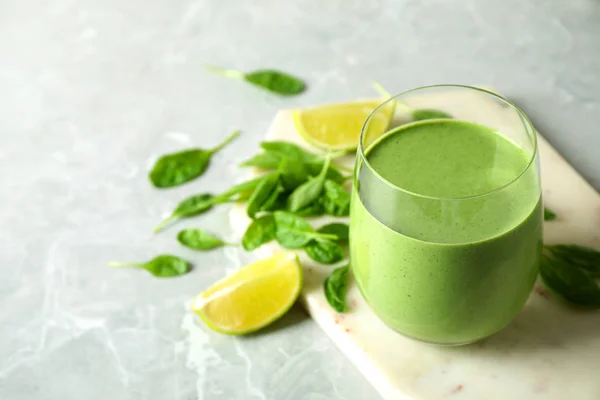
{"x":447,"y":270}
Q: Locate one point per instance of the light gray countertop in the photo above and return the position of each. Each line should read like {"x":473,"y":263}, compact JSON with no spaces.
{"x":91,"y":92}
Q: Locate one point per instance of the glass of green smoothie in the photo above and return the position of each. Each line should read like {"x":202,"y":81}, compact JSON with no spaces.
{"x":446,"y":215}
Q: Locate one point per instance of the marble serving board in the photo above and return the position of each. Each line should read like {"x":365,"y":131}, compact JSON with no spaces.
{"x":550,"y":351}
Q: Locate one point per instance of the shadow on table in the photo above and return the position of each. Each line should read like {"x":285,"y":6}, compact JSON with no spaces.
{"x":545,"y":323}
{"x":296,"y":315}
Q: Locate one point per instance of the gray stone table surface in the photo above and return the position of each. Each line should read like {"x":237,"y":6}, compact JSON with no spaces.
{"x":91,"y":92}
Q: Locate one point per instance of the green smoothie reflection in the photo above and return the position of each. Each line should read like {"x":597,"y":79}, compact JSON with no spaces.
{"x":450,"y":271}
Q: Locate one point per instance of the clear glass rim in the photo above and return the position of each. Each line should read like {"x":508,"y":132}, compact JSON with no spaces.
{"x":529,"y":126}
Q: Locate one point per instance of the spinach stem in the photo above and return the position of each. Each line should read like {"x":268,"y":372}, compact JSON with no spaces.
{"x":381,"y":90}
{"x":230,"y":73}
{"x":220,"y":199}
{"x":123,"y":264}
{"x":326,"y":164}
{"x":224,"y":143}
{"x":164,"y":223}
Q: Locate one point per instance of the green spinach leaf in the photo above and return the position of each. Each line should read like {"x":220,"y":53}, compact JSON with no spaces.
{"x":312,"y":210}
{"x":266,"y":160}
{"x":289,"y":150}
{"x":200,"y":203}
{"x":291,"y":162}
{"x":335,"y":287}
{"x":264,"y":193}
{"x":549,"y":215}
{"x":163,"y":266}
{"x":581,"y":257}
{"x":188,"y":207}
{"x":293,"y":175}
{"x":195,"y":204}
{"x":280,"y":203}
{"x":299,"y":163}
{"x":274,"y":201}
{"x":569,"y":282}
{"x":324,"y":251}
{"x":333,"y":173}
{"x":310,"y":191}
{"x":242,"y":190}
{"x":342,"y":231}
{"x":276,"y":82}
{"x":336,"y":199}
{"x":177,"y":168}
{"x":294,"y":232}
{"x":259,"y":232}
{"x":272,"y":80}
{"x":199,"y":239}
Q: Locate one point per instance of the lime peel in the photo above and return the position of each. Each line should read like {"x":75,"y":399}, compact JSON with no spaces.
{"x":337,"y":127}
{"x":253,"y":297}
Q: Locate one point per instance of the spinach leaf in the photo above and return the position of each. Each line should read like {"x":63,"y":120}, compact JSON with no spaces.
{"x":294,"y":232}
{"x":420,"y":115}
{"x":276,"y":82}
{"x":195,"y":204}
{"x":242,"y":190}
{"x":293,"y":175}
{"x":549,"y":215}
{"x":293,"y":171}
{"x":333,"y":173}
{"x":188,"y":207}
{"x":312,"y":210}
{"x":335,"y":287}
{"x":177,"y":168}
{"x":273,"y":202}
{"x":289,"y":150}
{"x":581,"y":257}
{"x":198,"y":239}
{"x":259,"y":232}
{"x":269,"y":79}
{"x":263,"y":193}
{"x":280,"y":203}
{"x":292,"y":162}
{"x":163,"y":266}
{"x":336,"y":199}
{"x":310,"y":191}
{"x":342,"y":231}
{"x":569,"y":282}
{"x":324,"y":251}
{"x":299,"y":163}
{"x":200,"y":203}
{"x":266,"y":160}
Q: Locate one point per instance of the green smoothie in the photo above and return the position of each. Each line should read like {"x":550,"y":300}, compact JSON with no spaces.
{"x":446,"y":230}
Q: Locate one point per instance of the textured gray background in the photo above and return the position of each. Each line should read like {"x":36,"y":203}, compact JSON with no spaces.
{"x":92,"y":91}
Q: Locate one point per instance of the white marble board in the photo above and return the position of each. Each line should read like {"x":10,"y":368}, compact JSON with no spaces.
{"x":550,"y":351}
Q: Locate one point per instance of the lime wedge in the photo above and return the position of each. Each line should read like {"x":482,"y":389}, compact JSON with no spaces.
{"x":337,"y":126}
{"x":253,"y":296}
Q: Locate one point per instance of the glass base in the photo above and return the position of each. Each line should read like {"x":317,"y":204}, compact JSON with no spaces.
{"x":439,"y":344}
